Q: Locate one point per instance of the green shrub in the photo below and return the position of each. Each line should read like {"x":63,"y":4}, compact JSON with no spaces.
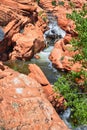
{"x":80,"y":19}
{"x":78,"y":57}
{"x":72,"y":5}
{"x":77,"y":100}
{"x":54,"y":3}
{"x":73,"y":86}
{"x":44,"y":18}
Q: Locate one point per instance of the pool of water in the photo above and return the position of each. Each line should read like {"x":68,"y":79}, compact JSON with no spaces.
{"x":43,"y":62}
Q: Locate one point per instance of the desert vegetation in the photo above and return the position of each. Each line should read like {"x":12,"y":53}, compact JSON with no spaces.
{"x":73,"y":85}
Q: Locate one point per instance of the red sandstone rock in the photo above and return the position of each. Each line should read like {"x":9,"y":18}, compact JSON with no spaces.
{"x":67,"y":25}
{"x":1,"y":66}
{"x":67,"y":38}
{"x":42,"y":22}
{"x":21,"y":15}
{"x":16,"y":5}
{"x":77,"y":67}
{"x":37,"y":74}
{"x":47,"y":4}
{"x":56,"y":56}
{"x":78,"y":3}
{"x":63,"y":22}
{"x":28,"y":43}
{"x":62,"y":56}
{"x":37,"y":56}
{"x":23,"y":105}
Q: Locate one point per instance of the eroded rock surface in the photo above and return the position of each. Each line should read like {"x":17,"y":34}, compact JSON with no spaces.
{"x":37,"y":74}
{"x":28,"y":43}
{"x":23,"y":28}
{"x":23,"y":104}
{"x":62,"y":56}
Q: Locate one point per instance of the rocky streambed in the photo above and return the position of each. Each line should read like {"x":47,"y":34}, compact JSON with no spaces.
{"x":27,"y":101}
{"x":54,"y":34}
{"x":24,"y":100}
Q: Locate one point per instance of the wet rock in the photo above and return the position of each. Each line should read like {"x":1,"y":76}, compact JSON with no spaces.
{"x":3,"y":56}
{"x":23,"y":104}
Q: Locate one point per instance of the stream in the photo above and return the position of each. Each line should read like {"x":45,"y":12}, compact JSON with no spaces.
{"x":51,"y":36}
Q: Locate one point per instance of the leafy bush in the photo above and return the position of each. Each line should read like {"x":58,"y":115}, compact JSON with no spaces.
{"x":72,"y":5}
{"x":74,"y":96}
{"x":80,"y":19}
{"x":54,"y":3}
{"x":73,"y":86}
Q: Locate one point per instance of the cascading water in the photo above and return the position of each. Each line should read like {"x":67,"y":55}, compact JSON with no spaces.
{"x":53,"y":34}
{"x":65,"y":117}
{"x":1,"y":34}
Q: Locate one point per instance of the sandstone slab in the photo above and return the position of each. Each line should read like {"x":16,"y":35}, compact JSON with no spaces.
{"x":23,"y":104}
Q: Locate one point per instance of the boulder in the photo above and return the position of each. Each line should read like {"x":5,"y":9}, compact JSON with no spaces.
{"x":23,"y":104}
{"x":28,"y":43}
{"x":37,"y":74}
{"x":62,"y":56}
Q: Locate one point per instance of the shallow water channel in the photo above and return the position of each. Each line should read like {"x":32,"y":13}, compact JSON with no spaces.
{"x":51,"y":36}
